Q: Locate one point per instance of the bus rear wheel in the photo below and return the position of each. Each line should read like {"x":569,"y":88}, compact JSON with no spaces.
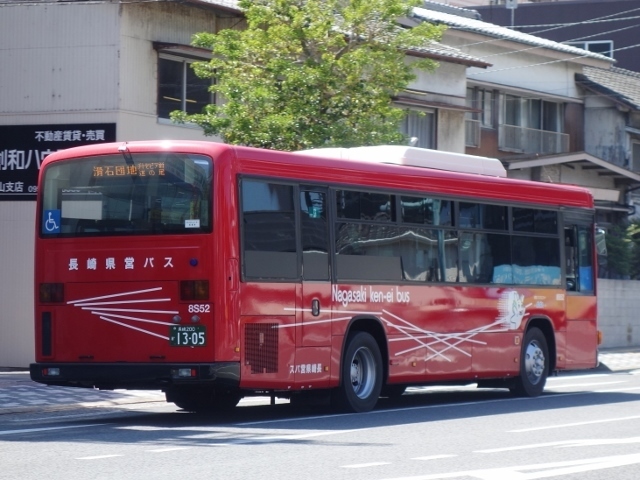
{"x":534,"y":365}
{"x":361,"y":374}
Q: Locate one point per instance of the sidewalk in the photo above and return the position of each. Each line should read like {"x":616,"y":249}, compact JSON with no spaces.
{"x":619,"y":359}
{"x":19,"y":394}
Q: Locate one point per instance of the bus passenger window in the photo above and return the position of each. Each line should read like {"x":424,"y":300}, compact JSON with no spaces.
{"x":269,"y":232}
{"x":315,"y":235}
{"x":585,"y":257}
{"x":536,"y":260}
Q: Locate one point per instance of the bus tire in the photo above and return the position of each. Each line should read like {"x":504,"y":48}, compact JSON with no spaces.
{"x":534,"y":365}
{"x":361,"y":374}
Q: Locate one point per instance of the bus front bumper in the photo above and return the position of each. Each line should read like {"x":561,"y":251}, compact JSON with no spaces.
{"x":139,"y":376}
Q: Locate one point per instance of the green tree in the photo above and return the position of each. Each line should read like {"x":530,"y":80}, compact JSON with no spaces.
{"x":619,"y":252}
{"x":633,"y":236}
{"x":311,"y":73}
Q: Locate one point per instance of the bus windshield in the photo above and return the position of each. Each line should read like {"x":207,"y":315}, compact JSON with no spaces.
{"x":127,"y":194}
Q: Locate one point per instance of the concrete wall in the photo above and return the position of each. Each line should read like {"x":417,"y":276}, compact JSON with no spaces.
{"x":16,"y":283}
{"x":618,"y":312}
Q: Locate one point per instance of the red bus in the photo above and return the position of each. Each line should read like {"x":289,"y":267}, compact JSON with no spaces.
{"x":213,"y":272}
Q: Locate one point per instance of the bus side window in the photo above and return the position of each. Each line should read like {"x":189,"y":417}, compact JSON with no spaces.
{"x":269,"y":231}
{"x":578,"y":243}
{"x":585,"y":259}
{"x":570,"y":259}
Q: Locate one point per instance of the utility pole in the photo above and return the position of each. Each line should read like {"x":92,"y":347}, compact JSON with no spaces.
{"x":512,"y":5}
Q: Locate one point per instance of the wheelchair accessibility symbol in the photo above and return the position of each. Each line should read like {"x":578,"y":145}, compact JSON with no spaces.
{"x":51,"y":221}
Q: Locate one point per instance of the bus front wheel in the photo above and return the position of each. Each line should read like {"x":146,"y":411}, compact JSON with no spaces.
{"x":534,"y":365}
{"x":361,"y":374}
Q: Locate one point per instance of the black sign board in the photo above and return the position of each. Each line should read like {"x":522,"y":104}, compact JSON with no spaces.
{"x":23,"y":147}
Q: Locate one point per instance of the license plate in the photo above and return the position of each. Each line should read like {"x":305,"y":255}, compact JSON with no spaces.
{"x":187,"y":335}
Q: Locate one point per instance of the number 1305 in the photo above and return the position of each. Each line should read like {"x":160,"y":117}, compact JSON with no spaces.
{"x":188,"y":336}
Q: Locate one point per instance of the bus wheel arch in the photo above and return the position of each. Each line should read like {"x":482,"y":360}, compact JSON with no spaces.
{"x":363,"y":366}
{"x":545,"y":325}
{"x":537,"y":358}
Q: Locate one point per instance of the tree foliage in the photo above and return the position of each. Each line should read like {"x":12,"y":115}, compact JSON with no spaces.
{"x":633,"y":237}
{"x":618,"y":252}
{"x":311,"y":73}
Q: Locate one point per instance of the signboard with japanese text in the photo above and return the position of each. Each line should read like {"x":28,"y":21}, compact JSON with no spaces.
{"x":24,"y":147}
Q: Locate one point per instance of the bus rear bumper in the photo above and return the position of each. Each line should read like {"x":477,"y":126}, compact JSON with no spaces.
{"x":141,"y":376}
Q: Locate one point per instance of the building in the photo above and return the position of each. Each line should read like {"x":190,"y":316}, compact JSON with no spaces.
{"x":529,"y":111}
{"x":609,"y":27}
{"x":612,"y":122}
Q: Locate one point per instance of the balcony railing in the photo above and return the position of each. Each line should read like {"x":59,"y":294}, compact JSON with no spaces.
{"x":472,"y":132}
{"x":531,"y":140}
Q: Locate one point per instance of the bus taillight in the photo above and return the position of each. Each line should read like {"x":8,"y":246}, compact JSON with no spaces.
{"x":51,"y":292}
{"x":194,"y":290}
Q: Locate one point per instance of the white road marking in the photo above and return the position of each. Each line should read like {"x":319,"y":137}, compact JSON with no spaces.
{"x":304,"y":435}
{"x":576,"y":424}
{"x":524,"y":447}
{"x":365,"y":465}
{"x":613,"y":390}
{"x":46,"y":429}
{"x":434,"y":457}
{"x":98,"y":457}
{"x":168,"y":449}
{"x":565,"y":444}
{"x":545,"y":470}
{"x":48,"y":417}
{"x":592,"y":384}
{"x":562,"y":377}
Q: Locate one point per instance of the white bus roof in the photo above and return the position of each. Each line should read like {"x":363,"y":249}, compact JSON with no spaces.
{"x":415,"y":157}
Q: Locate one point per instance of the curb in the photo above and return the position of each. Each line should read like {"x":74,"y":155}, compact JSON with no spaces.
{"x":71,"y":406}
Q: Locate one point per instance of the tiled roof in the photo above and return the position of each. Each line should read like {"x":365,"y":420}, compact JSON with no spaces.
{"x":483,"y":28}
{"x":228,"y":4}
{"x":446,"y":8}
{"x":618,"y":84}
{"x":439,"y":51}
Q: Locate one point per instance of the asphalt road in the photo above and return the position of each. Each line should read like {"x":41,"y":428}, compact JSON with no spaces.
{"x":584,"y":427}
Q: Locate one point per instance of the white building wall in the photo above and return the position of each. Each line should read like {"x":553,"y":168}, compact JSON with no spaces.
{"x":618,"y":306}
{"x":518,"y":65}
{"x":447,"y":85}
{"x":48,"y":77}
{"x":16,"y":283}
{"x":447,"y":79}
{"x":47,"y":70}
{"x":142,"y":24}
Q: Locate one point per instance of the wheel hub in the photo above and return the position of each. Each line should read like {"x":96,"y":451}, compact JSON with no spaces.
{"x":534,"y":362}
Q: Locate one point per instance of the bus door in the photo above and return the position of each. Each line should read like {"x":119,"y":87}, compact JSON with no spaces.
{"x":581,"y":311}
{"x":316,"y":278}
{"x":313,"y":339}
